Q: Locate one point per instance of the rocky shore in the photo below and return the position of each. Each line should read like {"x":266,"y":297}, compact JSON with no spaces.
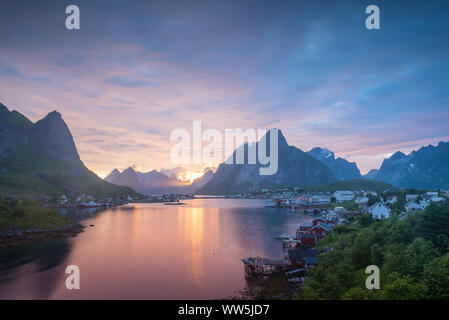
{"x":14,"y":238}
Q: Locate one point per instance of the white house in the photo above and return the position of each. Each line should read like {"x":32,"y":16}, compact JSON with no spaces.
{"x":412,"y":206}
{"x":432,"y":194}
{"x":423,"y":204}
{"x":320,"y":199}
{"x":63,"y":199}
{"x":411,"y":197}
{"x":379,"y":211}
{"x":392,"y":199}
{"x":436,"y":199}
{"x":361,"y":200}
{"x":342,"y":196}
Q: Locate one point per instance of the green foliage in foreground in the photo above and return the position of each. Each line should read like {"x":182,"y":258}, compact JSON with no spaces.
{"x":412,"y":254}
{"x":25,"y":215}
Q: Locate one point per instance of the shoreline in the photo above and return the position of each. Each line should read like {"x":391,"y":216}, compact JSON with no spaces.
{"x":16,"y":238}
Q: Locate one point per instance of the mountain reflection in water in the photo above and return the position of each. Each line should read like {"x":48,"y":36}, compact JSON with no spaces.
{"x":151,"y":251}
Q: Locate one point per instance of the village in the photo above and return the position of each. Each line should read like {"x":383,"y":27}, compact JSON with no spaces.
{"x":88,"y":202}
{"x":329,"y":210}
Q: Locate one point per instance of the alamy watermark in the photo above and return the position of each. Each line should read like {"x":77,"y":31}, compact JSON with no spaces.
{"x":73,"y":280}
{"x":373,"y":280}
{"x":189,"y":148}
{"x":373,"y":20}
{"x":73,"y":20}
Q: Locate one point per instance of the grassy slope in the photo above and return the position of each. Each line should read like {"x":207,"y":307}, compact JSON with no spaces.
{"x":26,"y":215}
{"x":39,"y":175}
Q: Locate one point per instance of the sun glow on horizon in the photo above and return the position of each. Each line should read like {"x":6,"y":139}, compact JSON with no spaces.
{"x":102,"y":175}
{"x":189,"y":176}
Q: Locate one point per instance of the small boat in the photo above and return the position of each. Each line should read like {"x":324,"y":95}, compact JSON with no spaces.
{"x":294,"y":271}
{"x":296,"y":280}
{"x":174,"y":203}
{"x":284,"y":237}
{"x":90,"y":204}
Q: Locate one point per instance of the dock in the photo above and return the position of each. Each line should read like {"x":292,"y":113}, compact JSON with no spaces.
{"x":294,"y":271}
{"x":291,"y":243}
{"x":259,"y":266}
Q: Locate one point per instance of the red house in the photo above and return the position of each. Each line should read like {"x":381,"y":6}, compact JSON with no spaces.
{"x":307,"y":239}
{"x":321,"y":230}
{"x":318,"y":221}
{"x":303,"y":228}
{"x":296,"y":256}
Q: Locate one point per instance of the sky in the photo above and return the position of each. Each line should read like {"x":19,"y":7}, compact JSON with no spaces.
{"x":137,"y":70}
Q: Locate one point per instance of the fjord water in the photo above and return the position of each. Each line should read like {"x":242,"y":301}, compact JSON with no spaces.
{"x":151,"y":251}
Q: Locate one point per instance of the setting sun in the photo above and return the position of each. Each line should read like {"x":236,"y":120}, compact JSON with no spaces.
{"x":189,"y":176}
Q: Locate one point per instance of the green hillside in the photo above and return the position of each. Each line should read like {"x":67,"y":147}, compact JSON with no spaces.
{"x":353,"y":185}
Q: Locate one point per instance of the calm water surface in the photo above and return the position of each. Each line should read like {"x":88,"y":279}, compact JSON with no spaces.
{"x":151,"y":251}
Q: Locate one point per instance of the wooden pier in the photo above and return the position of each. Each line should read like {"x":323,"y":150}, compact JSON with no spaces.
{"x":261,"y":267}
{"x":291,"y":243}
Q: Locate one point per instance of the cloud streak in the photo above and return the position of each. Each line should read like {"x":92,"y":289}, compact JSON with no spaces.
{"x":135,"y":71}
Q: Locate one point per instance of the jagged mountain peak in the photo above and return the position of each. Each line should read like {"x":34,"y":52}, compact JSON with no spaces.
{"x":129,"y":171}
{"x":4,"y":113}
{"x":341,"y":168}
{"x":3,"y":108}
{"x":398,"y":155}
{"x":53,"y":118}
{"x":282,"y":141}
{"x":426,"y":168}
{"x":371,"y":174}
{"x":45,"y":156}
{"x":323,"y":153}
{"x":55,"y":136}
{"x":295,"y":168}
{"x":53,"y":115}
{"x":281,"y":138}
{"x":113,"y":175}
{"x":152,"y":182}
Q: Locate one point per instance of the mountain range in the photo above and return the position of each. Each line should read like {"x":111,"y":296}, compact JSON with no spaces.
{"x":295,"y":168}
{"x":154,"y":182}
{"x":426,"y":168}
{"x":41,"y":158}
{"x":341,"y":168}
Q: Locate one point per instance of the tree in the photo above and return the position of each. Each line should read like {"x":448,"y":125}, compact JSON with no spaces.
{"x":436,"y":278}
{"x":417,"y":254}
{"x":19,"y":212}
{"x":371,"y":200}
{"x":365,"y":220}
{"x":404,"y":288}
{"x":442,"y":243}
{"x":434,"y":221}
{"x":13,"y":203}
{"x":357,"y":293}
{"x":412,"y":255}
{"x":377,"y":255}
